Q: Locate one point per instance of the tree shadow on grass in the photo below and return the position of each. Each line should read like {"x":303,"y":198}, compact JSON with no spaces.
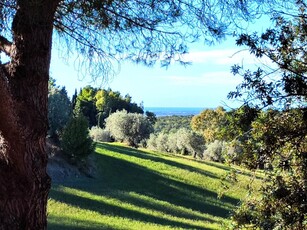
{"x":117,"y":178}
{"x":56,"y":223}
{"x":108,"y":209}
{"x":228,"y":168}
{"x":146,"y":156}
{"x":167,"y":209}
{"x":126,"y":176}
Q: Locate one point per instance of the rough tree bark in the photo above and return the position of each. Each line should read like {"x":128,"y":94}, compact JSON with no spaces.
{"x":24,"y":183}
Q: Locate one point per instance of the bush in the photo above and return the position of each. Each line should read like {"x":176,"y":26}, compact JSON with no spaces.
{"x":159,"y":142}
{"x":99,"y":134}
{"x":76,"y":142}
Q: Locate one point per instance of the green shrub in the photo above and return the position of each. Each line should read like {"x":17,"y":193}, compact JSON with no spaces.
{"x":172,"y":143}
{"x":162,"y":142}
{"x":76,"y":142}
{"x":99,"y":134}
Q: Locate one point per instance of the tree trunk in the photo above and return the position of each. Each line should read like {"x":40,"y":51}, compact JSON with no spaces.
{"x":24,"y":183}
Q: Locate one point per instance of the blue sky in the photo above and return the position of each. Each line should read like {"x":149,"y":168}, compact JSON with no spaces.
{"x":205,"y":83}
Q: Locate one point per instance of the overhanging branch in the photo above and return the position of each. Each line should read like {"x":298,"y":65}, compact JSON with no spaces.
{"x":5,"y":46}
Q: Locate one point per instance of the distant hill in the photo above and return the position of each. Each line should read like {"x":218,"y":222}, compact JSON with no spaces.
{"x":171,"y":124}
{"x":170,"y":111}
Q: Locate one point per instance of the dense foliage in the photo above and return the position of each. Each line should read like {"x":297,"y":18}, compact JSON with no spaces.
{"x":171,"y":124}
{"x":98,"y":104}
{"x":209,"y":122}
{"x":277,"y":140}
{"x":108,"y":102}
{"x":76,"y":142}
{"x":216,"y":151}
{"x":59,"y":109}
{"x":238,"y":123}
{"x":85,"y":105}
{"x":99,"y":134}
{"x":184,"y":142}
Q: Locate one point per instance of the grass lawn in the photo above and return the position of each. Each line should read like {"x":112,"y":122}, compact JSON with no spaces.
{"x":139,"y":189}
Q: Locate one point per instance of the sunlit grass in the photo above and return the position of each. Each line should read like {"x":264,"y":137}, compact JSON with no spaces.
{"x":139,"y":189}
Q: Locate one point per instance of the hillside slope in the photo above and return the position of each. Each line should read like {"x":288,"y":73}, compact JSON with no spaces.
{"x":138,"y":189}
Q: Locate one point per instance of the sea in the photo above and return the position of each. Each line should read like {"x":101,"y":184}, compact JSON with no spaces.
{"x":174,"y":111}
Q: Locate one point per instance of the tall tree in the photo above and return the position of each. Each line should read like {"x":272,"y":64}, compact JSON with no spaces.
{"x":140,"y":30}
{"x":109,"y":101}
{"x":59,"y":110}
{"x":209,"y":123}
{"x":277,"y":138}
{"x":85,"y":104}
{"x":24,"y":183}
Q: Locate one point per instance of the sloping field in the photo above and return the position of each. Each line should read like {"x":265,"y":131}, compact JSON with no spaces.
{"x":138,"y":189}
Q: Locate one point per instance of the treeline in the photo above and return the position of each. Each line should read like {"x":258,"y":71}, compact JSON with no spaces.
{"x":98,"y":104}
{"x":105,"y":115}
{"x":214,"y":134}
{"x":170,"y":124}
{"x":70,"y":120}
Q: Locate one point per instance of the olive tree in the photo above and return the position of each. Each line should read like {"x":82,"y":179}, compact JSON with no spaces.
{"x":128,"y":127}
{"x":183,"y":141}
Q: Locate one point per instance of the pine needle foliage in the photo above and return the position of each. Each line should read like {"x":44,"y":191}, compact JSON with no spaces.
{"x":76,"y":142}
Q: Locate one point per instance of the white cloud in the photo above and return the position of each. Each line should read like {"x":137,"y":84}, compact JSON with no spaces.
{"x":223,"y":57}
{"x":208,"y":78}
